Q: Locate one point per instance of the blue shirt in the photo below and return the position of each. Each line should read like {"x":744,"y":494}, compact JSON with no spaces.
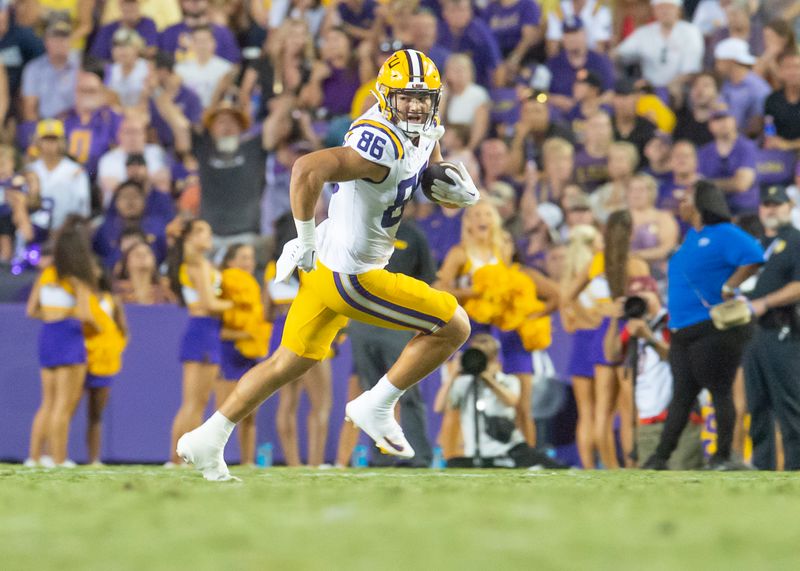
{"x":746,"y":98}
{"x":743,"y":155}
{"x":53,"y":87}
{"x":478,"y":43}
{"x":506,"y":22}
{"x":700,"y":267}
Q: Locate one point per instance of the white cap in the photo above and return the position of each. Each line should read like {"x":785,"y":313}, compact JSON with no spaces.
{"x":736,"y":50}
{"x":550,"y":214}
{"x":678,"y":3}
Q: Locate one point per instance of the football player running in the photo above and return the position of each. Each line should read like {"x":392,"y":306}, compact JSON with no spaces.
{"x":341,"y":262}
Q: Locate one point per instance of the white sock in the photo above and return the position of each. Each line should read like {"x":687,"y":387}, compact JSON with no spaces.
{"x":385,"y":394}
{"x":219,"y":427}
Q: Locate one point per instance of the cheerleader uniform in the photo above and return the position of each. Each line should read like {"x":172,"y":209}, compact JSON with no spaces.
{"x":587,"y":344}
{"x":60,"y":342}
{"x":201,"y":341}
{"x":104,"y":349}
{"x":238,"y":357}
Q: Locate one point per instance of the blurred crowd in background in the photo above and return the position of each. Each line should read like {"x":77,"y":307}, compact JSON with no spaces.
{"x":139,"y":115}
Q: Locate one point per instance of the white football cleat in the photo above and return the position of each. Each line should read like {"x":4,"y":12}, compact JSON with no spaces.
{"x":380,"y":426}
{"x":205,"y":457}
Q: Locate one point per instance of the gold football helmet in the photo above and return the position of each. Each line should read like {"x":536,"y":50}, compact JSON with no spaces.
{"x":408,"y":72}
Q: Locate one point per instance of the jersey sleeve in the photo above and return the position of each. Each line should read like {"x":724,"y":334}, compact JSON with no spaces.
{"x":375,"y":142}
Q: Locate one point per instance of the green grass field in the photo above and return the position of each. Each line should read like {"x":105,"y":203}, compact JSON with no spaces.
{"x":148,"y":518}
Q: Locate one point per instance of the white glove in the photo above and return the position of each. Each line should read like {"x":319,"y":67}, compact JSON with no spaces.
{"x":298,"y":253}
{"x":462,"y":192}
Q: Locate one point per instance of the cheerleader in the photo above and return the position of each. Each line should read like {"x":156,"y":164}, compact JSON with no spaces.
{"x":483,"y":243}
{"x":581,"y":320}
{"x":104,"y":349}
{"x":60,"y":299}
{"x":606,"y":277}
{"x":245,"y":335}
{"x":196,"y":283}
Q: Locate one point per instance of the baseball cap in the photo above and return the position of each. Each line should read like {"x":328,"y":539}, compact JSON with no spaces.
{"x":49,"y":128}
{"x":572,"y":24}
{"x":624,"y":86}
{"x":775,"y":194}
{"x":59,"y":27}
{"x":735,"y":49}
{"x":135,"y":159}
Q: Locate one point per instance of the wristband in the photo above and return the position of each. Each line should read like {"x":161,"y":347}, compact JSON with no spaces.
{"x":305,"y":232}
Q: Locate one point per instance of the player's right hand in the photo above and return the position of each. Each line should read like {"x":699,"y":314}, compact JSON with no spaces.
{"x":295,"y":255}
{"x":461,"y":192}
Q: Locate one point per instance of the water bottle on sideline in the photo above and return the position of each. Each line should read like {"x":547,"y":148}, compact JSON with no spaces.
{"x":360,"y":459}
{"x":438,"y":462}
{"x":769,"y":127}
{"x":264,"y":455}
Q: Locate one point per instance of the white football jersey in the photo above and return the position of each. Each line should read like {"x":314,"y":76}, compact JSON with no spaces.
{"x":363,"y":215}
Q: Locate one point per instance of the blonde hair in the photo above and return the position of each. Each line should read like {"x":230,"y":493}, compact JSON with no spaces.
{"x":629,"y":149}
{"x":580,"y":250}
{"x":497,"y":239}
{"x":649,"y":183}
{"x":557,"y":146}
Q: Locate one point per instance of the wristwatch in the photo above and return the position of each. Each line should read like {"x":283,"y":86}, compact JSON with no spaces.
{"x":728,"y":289}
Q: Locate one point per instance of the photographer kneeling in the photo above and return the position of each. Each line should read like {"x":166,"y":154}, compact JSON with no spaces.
{"x":483,"y":392}
{"x":644,"y":344}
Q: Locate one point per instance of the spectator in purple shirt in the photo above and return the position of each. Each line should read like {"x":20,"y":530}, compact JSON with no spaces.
{"x":591,"y":162}
{"x":515,"y":26}
{"x":91,"y":126}
{"x":587,"y":92}
{"x":461,"y":31}
{"x":334,"y":79}
{"x":128,"y":214}
{"x":133,"y":20}
{"x":730,"y":162}
{"x":359,"y":18}
{"x":743,"y":90}
{"x":158,"y":203}
{"x":175,"y":39}
{"x":683,"y":175}
{"x":574,"y":56}
{"x":165,"y":85}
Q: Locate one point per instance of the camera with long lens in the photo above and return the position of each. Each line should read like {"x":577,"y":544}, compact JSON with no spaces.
{"x":635,"y":307}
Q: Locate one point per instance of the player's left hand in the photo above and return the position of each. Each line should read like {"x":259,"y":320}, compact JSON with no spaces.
{"x":294,"y":255}
{"x":462,"y":192}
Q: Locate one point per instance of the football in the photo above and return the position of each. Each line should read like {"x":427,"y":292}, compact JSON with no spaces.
{"x":435,"y":172}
